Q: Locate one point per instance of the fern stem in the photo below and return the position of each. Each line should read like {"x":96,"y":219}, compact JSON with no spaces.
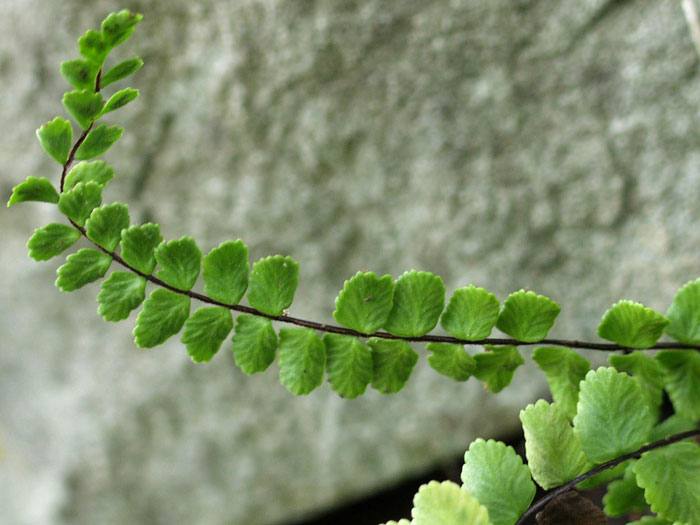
{"x":71,"y":155}
{"x":429,"y":338}
{"x":554,"y":493}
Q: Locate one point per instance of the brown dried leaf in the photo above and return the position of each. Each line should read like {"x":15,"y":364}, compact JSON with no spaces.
{"x":571,"y":508}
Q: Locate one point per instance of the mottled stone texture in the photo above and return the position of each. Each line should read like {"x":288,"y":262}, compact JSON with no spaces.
{"x":551,"y":144}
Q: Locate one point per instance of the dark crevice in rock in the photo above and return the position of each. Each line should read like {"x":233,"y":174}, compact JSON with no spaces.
{"x":628,"y":192}
{"x":145,"y":170}
{"x":606,"y":11}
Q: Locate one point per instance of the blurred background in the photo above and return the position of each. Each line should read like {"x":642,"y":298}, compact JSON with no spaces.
{"x":507,"y":143}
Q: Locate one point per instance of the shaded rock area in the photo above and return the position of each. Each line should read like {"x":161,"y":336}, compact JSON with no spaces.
{"x":508,"y":143}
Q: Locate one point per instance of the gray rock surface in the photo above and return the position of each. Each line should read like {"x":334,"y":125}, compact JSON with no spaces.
{"x":510,"y":143}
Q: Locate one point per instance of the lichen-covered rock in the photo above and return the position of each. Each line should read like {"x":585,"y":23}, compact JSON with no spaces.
{"x":505,"y":143}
